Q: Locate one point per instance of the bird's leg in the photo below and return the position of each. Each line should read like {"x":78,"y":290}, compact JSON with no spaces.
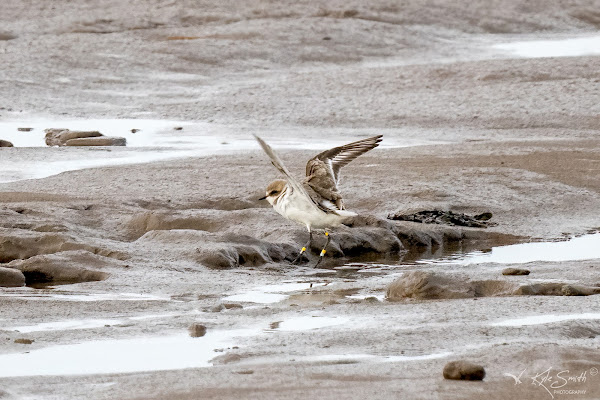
{"x":324,"y":249}
{"x":306,"y":246}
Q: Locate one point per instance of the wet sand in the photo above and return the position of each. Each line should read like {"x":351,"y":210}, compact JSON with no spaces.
{"x":489,"y":132}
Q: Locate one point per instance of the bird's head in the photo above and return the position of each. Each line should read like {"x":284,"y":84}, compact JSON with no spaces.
{"x":274,"y":190}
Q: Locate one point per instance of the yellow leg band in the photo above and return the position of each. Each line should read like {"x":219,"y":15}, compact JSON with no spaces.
{"x":303,"y":250}
{"x":323,"y":252}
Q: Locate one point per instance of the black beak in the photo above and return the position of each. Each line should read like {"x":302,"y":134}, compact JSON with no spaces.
{"x":262,"y":198}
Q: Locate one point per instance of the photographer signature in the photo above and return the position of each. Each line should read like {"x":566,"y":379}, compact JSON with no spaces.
{"x":555,"y":382}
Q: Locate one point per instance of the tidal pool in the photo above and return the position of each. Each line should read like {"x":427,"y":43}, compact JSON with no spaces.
{"x":121,"y":355}
{"x":586,"y":247}
{"x":546,"y":319}
{"x":272,"y":293}
{"x":309,"y":322}
{"x":154,"y":140}
{"x":560,"y":47}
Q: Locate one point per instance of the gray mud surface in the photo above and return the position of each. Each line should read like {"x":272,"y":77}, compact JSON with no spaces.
{"x":165,"y":245}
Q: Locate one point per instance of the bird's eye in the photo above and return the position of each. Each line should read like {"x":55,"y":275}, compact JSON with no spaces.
{"x":273,"y":192}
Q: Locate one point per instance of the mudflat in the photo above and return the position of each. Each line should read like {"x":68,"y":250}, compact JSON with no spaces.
{"x":122,"y":260}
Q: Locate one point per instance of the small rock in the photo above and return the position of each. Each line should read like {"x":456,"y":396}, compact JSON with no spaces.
{"x":60,"y":136}
{"x":575,"y":290}
{"x":10,"y":277}
{"x":197,"y":330}
{"x":515,"y":271}
{"x":24,"y":341}
{"x":464,"y":370}
{"x":555,"y":289}
{"x":217,"y":308}
{"x":24,"y":129}
{"x":371,"y":300}
{"x":226,"y":358}
{"x":427,"y":285}
{"x":62,"y":268}
{"x":231,"y":306}
{"x":7,"y":36}
{"x":135,"y":130}
{"x":424,"y":285}
{"x":219,"y":259}
{"x":178,"y":128}
{"x":5,"y":143}
{"x":275,"y":325}
{"x":97,"y":141}
{"x":364,"y":239}
{"x":486,"y":216}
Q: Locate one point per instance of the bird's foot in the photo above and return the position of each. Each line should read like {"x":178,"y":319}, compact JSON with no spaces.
{"x":300,"y":256}
{"x":320,"y":257}
{"x":324,"y":249}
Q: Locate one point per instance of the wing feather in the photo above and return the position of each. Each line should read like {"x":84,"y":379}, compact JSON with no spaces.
{"x":293,"y":182}
{"x":341,"y":156}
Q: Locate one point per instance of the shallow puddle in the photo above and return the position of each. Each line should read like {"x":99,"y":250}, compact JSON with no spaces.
{"x":154,"y":140}
{"x":546,"y":319}
{"x":149,"y":133}
{"x":585,"y":247}
{"x":305,"y":323}
{"x":380,"y":297}
{"x":270,"y":294}
{"x":257,"y":297}
{"x":121,"y":355}
{"x":371,"y":358}
{"x":146,"y":353}
{"x":65,"y":325}
{"x":76,"y":324}
{"x":567,"y":47}
{"x":38,"y":294}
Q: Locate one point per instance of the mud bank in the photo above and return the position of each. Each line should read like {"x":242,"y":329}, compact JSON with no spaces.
{"x":184,"y":242}
{"x":317,"y":327}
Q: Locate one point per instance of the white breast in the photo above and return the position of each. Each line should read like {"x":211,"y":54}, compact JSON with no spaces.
{"x":298,"y":208}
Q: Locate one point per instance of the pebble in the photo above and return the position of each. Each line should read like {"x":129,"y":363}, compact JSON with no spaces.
{"x":24,"y":341}
{"x":245,"y":372}
{"x":97,"y":141}
{"x":515,"y":271}
{"x":371,"y":300}
{"x":10,"y":277}
{"x":231,"y":306}
{"x":464,"y":370}
{"x":217,"y":308}
{"x":197,"y":330}
{"x":60,"y":136}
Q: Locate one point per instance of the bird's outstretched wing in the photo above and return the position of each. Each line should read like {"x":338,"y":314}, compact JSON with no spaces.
{"x":323,"y":170}
{"x":277,"y":163}
{"x":334,"y":159}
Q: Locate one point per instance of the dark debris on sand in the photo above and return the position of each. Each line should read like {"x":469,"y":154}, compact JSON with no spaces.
{"x":445,"y":218}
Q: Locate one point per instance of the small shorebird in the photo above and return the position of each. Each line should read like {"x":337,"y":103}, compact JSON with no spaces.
{"x":316,"y":202}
